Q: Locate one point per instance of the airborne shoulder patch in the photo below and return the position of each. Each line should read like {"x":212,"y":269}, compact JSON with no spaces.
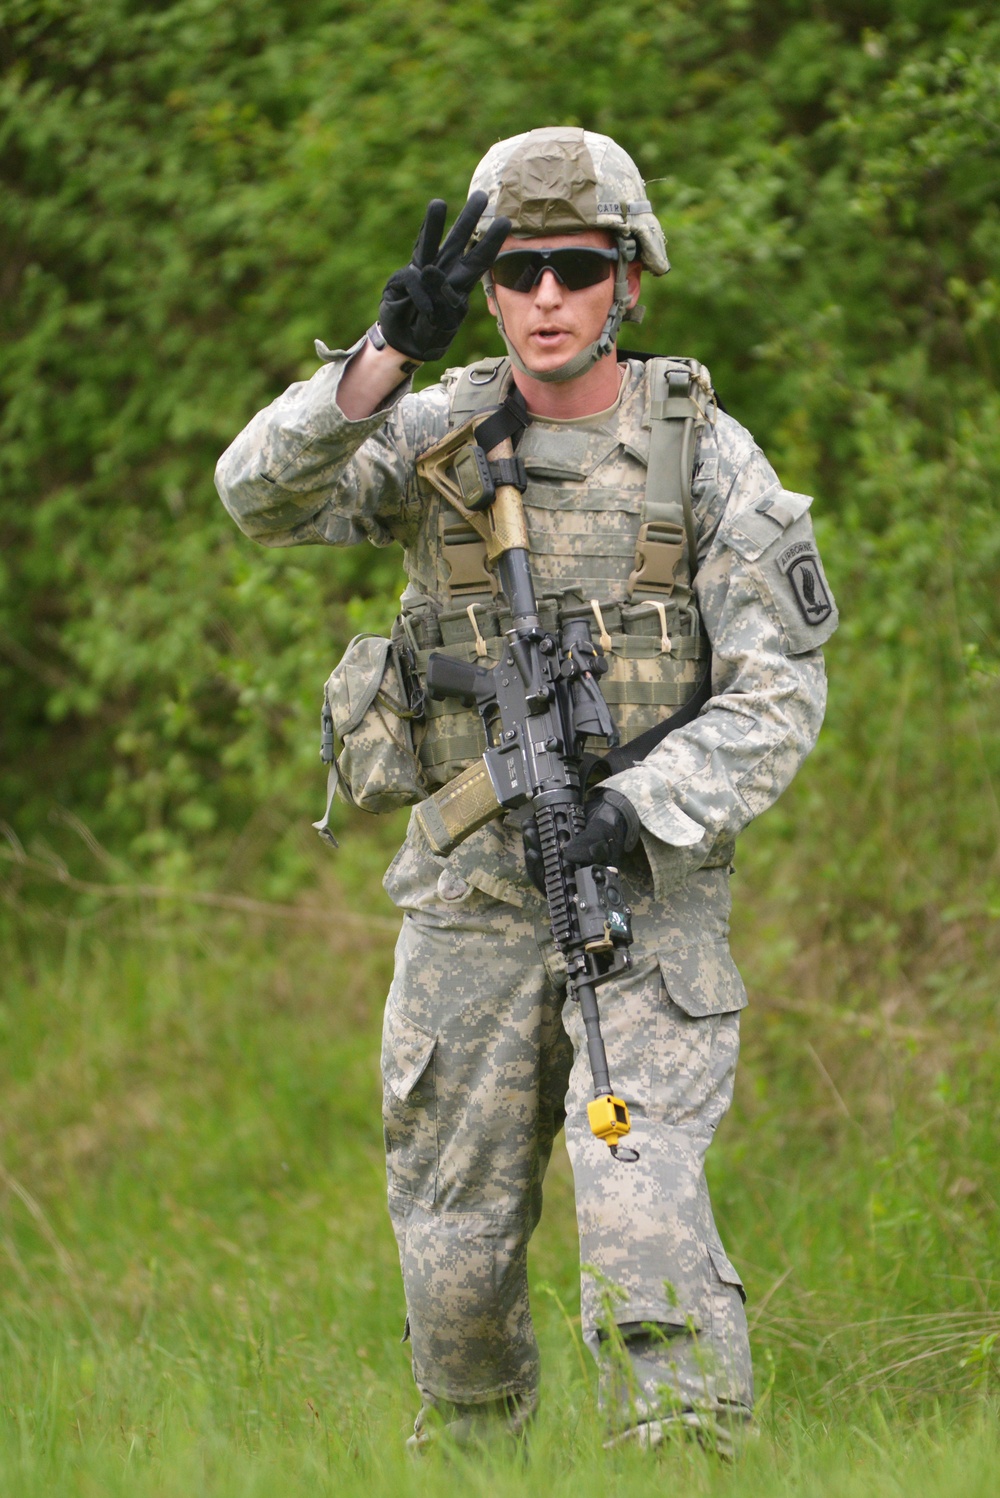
{"x":800,"y":564}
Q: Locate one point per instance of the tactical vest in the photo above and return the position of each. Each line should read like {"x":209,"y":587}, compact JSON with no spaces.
{"x":612,"y":540}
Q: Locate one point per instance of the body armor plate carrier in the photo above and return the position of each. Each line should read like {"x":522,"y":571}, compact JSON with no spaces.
{"x":608,"y":542}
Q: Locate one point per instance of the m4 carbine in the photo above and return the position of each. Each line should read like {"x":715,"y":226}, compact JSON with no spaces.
{"x":539,"y":704}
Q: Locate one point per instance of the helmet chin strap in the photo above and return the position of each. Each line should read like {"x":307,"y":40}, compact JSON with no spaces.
{"x":599,"y":349}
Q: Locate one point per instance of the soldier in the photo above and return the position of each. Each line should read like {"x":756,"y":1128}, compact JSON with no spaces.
{"x":654,"y":514}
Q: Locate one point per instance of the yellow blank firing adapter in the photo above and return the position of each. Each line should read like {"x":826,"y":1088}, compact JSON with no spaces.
{"x":609,"y":1118}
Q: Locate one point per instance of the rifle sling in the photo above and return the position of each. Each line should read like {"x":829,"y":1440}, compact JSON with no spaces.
{"x":509,"y":419}
{"x":596,"y":767}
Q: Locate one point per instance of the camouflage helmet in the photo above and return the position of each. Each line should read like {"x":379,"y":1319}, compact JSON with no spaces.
{"x":561,"y":180}
{"x":564,"y":180}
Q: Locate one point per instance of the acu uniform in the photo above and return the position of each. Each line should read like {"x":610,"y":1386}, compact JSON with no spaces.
{"x":483,"y":1057}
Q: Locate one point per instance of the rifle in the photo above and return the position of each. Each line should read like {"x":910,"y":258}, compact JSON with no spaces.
{"x":538,"y":704}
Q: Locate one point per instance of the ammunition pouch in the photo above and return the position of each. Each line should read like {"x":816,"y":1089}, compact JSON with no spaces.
{"x":655,"y":653}
{"x":371,"y":702}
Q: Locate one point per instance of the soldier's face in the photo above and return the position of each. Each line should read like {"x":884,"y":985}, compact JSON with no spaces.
{"x":550,"y":324}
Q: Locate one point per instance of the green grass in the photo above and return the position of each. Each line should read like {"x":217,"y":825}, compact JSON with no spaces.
{"x":200,"y":1292}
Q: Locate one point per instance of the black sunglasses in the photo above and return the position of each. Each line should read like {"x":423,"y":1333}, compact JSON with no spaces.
{"x":520,"y":270}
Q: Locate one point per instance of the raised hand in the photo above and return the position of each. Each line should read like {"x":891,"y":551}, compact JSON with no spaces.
{"x":423,"y":304}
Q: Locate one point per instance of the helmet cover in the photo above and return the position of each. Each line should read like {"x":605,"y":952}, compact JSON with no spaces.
{"x":562,"y":180}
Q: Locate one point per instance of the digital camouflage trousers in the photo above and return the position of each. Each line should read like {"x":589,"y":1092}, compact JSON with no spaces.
{"x":484,"y":1060}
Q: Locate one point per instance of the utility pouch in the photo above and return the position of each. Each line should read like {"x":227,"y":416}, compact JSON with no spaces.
{"x":371,"y":705}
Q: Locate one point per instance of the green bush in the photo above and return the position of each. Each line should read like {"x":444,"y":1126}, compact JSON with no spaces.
{"x":193,"y":191}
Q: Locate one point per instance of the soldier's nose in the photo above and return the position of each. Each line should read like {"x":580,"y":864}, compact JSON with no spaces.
{"x":549,"y":288}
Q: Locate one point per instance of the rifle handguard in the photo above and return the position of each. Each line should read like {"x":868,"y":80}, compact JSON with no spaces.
{"x":458,"y":808}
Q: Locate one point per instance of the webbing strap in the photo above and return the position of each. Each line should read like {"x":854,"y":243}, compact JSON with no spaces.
{"x":477,"y":389}
{"x":667,"y":523}
{"x":508,"y":420}
{"x":674,"y":410}
{"x":627,"y":756}
{"x":595,"y":768}
{"x":509,"y":471}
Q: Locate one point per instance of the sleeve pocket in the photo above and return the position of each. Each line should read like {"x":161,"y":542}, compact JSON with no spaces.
{"x":409,"y":1109}
{"x":775,"y":537}
{"x":702,"y":979}
{"x":750,"y":532}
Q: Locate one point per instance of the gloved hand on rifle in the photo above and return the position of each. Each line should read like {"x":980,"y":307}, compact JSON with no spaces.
{"x":611,"y":830}
{"x":423,"y":304}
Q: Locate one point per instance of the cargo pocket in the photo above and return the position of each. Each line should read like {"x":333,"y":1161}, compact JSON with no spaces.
{"x":730,"y":1345}
{"x":726,"y":1272}
{"x":410,"y":881}
{"x":703,"y":979}
{"x":474,"y":877}
{"x":409,"y":1111}
{"x":692,"y":1065}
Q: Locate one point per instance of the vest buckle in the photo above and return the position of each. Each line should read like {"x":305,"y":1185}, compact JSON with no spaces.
{"x":658,"y":555}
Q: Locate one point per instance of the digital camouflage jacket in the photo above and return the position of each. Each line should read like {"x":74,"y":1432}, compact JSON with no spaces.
{"x":301,"y":473}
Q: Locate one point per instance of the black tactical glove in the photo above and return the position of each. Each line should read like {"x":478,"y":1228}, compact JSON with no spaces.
{"x":423,"y":304}
{"x":611,"y":830}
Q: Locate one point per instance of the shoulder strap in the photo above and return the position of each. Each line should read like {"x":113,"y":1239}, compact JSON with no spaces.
{"x":478,"y":387}
{"x":679,"y":397}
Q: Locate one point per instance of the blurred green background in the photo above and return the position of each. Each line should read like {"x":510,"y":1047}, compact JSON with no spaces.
{"x":189,"y":194}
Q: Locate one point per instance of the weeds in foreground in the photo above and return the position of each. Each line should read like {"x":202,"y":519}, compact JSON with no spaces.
{"x":200,"y":1288}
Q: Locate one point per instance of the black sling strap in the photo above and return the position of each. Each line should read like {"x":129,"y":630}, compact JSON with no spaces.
{"x":506,"y":420}
{"x":635,"y":751}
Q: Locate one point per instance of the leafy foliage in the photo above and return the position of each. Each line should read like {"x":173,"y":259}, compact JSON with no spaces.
{"x":193,"y":191}
{"x":198,"y":1264}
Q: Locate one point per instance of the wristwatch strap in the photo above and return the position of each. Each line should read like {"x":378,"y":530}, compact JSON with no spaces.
{"x":377,"y":340}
